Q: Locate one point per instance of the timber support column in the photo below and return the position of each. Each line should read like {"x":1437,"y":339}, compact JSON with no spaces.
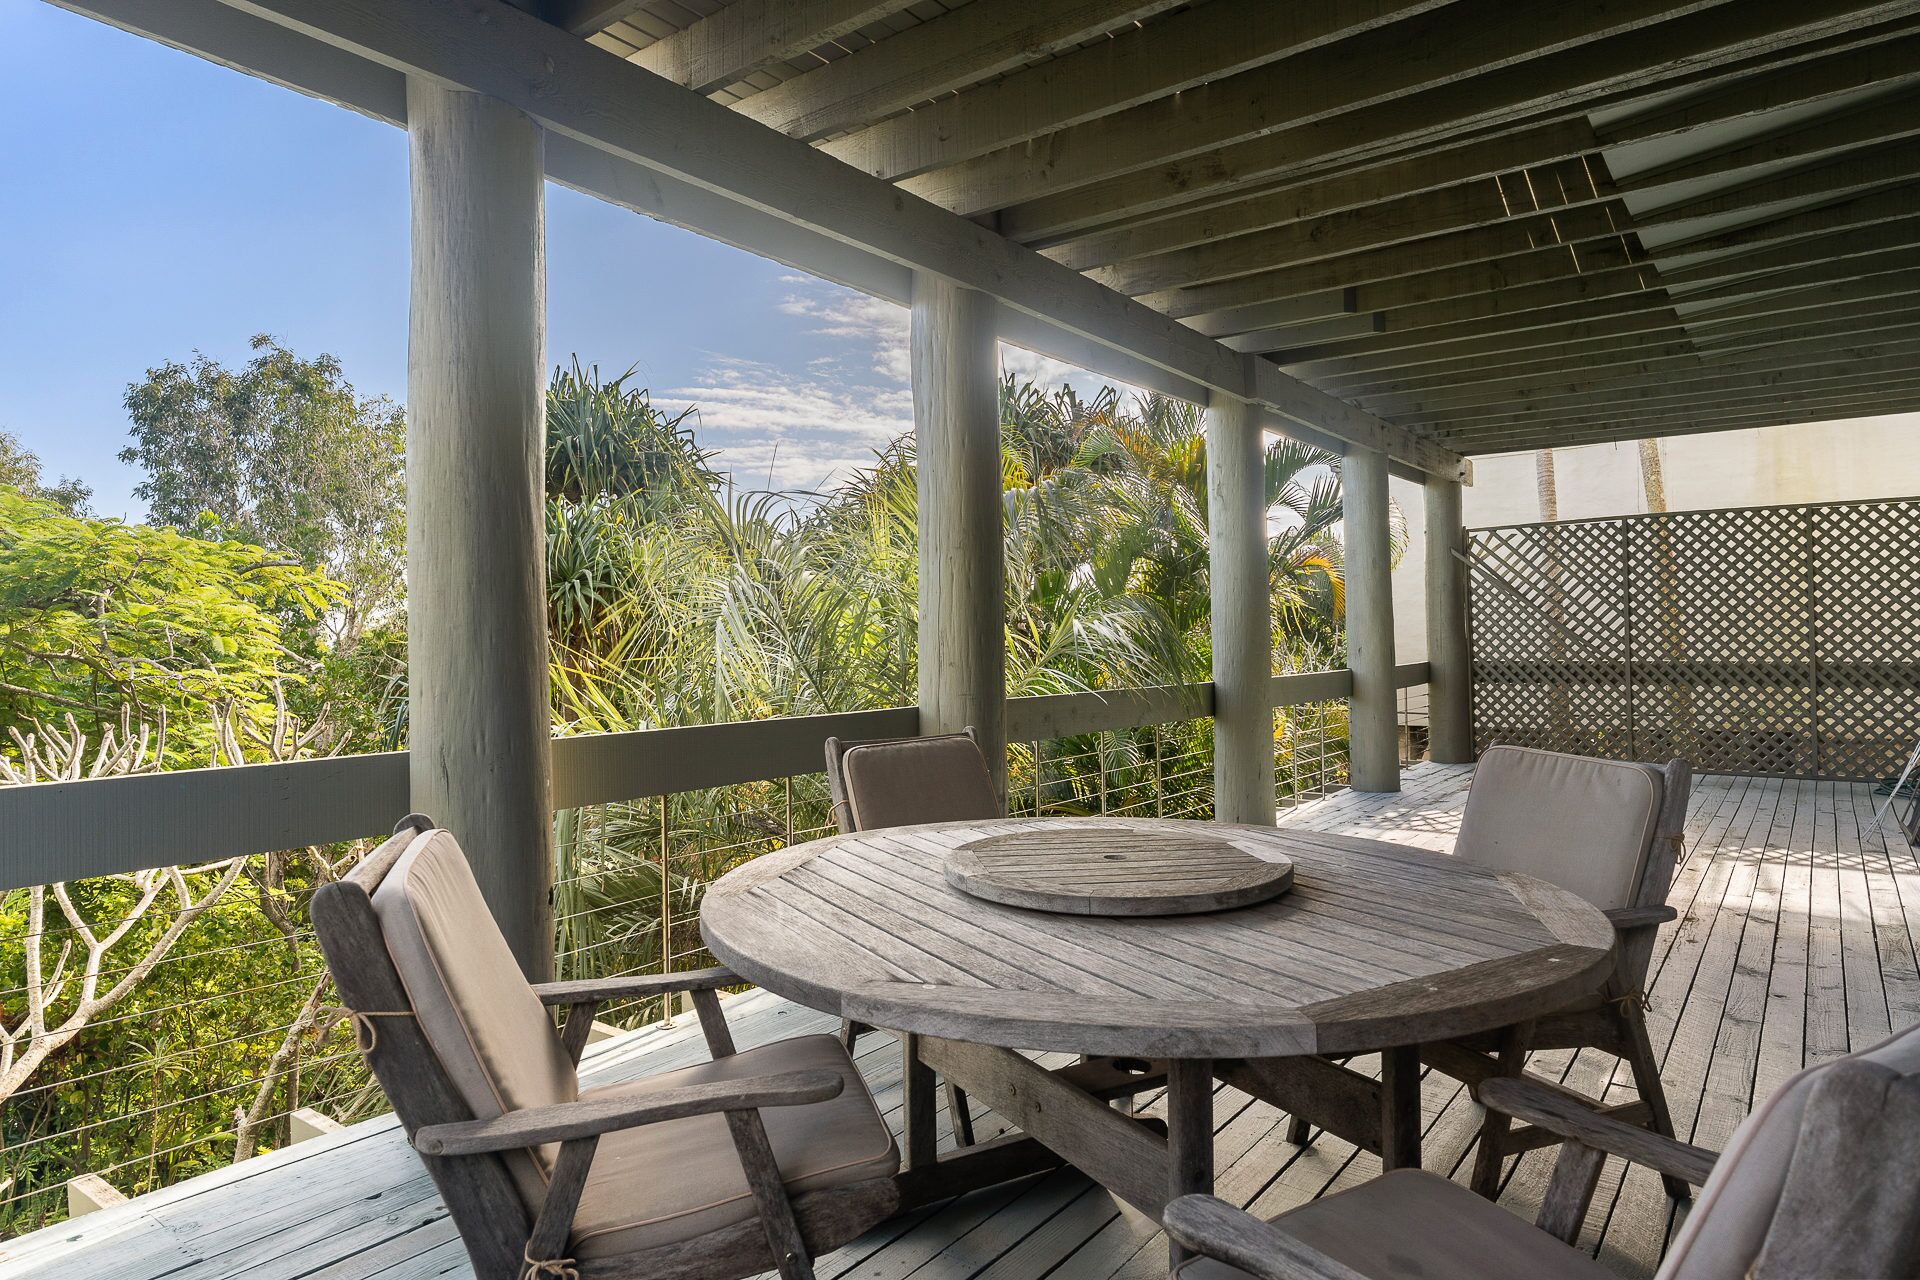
{"x":956,"y":417}
{"x":1374,"y":721}
{"x":1449,"y":661}
{"x":481,"y":734}
{"x":1241,"y":614}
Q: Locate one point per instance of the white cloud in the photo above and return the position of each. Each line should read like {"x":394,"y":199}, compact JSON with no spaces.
{"x":809,"y":426}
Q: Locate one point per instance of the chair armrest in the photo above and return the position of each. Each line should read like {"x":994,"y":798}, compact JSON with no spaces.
{"x":1640,"y":917}
{"x":1574,"y":1117}
{"x":534,"y":1126}
{"x":600,"y":990}
{"x":1215,"y":1229}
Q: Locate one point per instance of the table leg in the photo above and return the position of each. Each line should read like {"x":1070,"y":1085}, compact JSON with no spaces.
{"x":1400,"y":1108}
{"x":1490,"y":1155}
{"x":1189,"y":1133}
{"x":918,"y":1084}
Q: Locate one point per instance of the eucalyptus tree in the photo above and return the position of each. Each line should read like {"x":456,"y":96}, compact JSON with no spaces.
{"x":284,"y":453}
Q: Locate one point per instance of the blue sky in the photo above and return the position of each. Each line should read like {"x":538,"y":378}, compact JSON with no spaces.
{"x":158,"y":204}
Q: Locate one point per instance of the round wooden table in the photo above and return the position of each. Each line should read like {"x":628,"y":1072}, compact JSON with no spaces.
{"x":1377,"y":947}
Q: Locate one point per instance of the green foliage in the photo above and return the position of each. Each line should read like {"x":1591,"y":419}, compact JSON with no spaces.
{"x":20,"y":471}
{"x":671,"y":601}
{"x":284,"y":453}
{"x":100,"y":618}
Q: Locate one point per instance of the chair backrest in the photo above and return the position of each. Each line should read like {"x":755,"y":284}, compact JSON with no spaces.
{"x":896,"y":782}
{"x":1821,"y":1180}
{"x":488,"y":1033}
{"x":386,"y":958}
{"x":1663,"y":858}
{"x":1584,"y":824}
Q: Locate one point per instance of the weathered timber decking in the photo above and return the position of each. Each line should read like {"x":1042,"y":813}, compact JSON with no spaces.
{"x":1796,"y":943}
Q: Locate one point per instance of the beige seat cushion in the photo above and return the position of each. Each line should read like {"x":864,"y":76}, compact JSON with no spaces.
{"x":665,"y":1183}
{"x":897,"y":784}
{"x":1581,"y":823}
{"x":1723,"y":1234}
{"x":1410,"y":1223}
{"x":485,"y":1024}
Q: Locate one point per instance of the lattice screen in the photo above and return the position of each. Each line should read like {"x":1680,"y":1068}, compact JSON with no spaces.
{"x":1769,"y":640}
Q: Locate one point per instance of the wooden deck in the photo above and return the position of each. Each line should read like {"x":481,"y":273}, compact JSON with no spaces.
{"x":1796,"y":943}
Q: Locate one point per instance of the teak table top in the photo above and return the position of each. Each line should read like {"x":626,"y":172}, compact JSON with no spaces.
{"x":1376,"y":945}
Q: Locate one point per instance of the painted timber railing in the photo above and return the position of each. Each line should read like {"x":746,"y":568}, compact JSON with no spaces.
{"x":220,"y":1046}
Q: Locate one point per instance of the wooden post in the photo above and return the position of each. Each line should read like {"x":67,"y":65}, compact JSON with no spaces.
{"x":476,"y":562}
{"x":1449,"y":662}
{"x":1242,"y":614}
{"x":1374,"y":722}
{"x":956,"y":414}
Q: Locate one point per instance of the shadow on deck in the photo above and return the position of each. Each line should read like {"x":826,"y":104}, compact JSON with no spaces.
{"x":1796,"y":943}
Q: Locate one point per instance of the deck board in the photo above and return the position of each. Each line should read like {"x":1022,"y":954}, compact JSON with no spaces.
{"x":1797,"y":941}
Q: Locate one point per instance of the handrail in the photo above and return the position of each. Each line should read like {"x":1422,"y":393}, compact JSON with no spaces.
{"x":109,"y":826}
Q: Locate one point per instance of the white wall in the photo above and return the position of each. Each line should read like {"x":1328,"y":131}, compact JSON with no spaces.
{"x":1817,"y":462}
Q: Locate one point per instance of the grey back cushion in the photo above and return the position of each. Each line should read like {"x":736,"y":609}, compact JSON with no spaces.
{"x":491,"y":1033}
{"x":1820,"y":1180}
{"x":897,"y":784}
{"x":1581,"y":823}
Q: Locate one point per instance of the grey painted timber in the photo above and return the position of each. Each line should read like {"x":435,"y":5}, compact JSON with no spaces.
{"x":109,"y":826}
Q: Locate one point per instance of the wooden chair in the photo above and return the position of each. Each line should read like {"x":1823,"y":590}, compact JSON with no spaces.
{"x":755,"y":1160}
{"x":1821,"y":1181}
{"x":1612,"y":832}
{"x":897,"y":782}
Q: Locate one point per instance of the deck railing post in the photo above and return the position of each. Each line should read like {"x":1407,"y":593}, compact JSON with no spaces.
{"x":1449,"y":661}
{"x":481,"y":738}
{"x":1241,"y":614}
{"x":956,"y":415}
{"x":1373,"y":726}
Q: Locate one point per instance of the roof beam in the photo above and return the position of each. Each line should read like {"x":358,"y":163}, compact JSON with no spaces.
{"x":1462,"y":63}
{"x":1480,"y":61}
{"x":1460,"y":400}
{"x":1786,"y":413}
{"x":1208,"y":42}
{"x":1823,"y":67}
{"x":1881,"y":120}
{"x":1461,"y":208}
{"x":1478,"y":346}
{"x":1880,"y":57}
{"x":750,"y":35}
{"x":1876,"y":206}
{"x":1430,"y":253}
{"x":1885,"y":166}
{"x":1598,"y":355}
{"x":1553,"y":262}
{"x":1731,"y":321}
{"x":1837,"y":271}
{"x":1596,"y":269}
{"x":979,"y":40}
{"x":1463,"y":388}
{"x":1832,"y":247}
{"x":1771,"y":405}
{"x":585,"y":17}
{"x":577,"y":92}
{"x":1755,"y":374}
{"x":1254,"y":208}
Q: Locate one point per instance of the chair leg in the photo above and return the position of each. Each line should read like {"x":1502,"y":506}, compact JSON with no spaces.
{"x":959,"y":1116}
{"x":1299,"y":1132}
{"x":850,"y":1032}
{"x":1646,"y":1079}
{"x":1490,"y":1155}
